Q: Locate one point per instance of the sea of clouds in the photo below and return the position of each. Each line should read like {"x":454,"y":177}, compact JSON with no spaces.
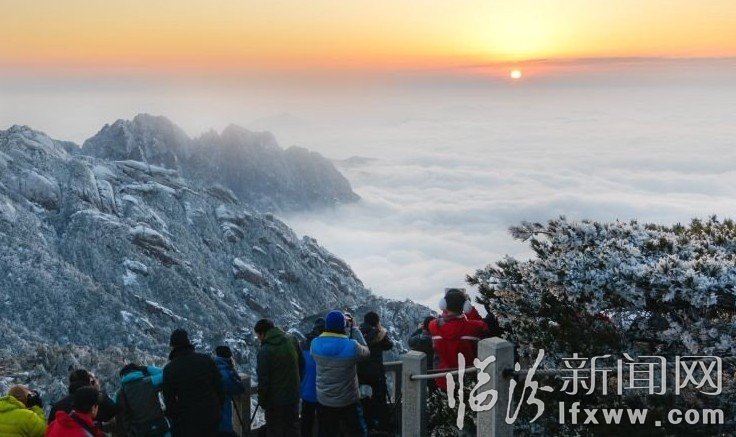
{"x":443,"y":186}
{"x":446,"y":163}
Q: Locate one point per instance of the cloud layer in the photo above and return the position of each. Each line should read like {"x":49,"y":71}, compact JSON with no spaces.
{"x":458,"y":157}
{"x":446,"y":185}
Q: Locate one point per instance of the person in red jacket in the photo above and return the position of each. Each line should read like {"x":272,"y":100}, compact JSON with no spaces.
{"x":81,"y":421}
{"x":456,"y":331}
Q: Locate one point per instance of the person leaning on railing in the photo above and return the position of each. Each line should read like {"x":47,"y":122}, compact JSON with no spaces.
{"x":456,"y":331}
{"x":421,"y":340}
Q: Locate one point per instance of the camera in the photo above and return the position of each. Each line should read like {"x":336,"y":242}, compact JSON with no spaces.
{"x":34,"y":399}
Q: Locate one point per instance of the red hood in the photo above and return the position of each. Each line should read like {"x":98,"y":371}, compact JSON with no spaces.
{"x":64,"y":425}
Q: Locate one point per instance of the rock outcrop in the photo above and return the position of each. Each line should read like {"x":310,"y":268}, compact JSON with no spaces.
{"x":103,"y":258}
{"x":249,"y":164}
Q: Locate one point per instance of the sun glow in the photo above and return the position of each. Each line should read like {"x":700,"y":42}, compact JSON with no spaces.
{"x":226,"y":35}
{"x":515,"y":74}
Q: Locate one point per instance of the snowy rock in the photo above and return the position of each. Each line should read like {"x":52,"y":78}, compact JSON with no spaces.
{"x":7,"y":210}
{"x":234,"y":164}
{"x":147,"y":237}
{"x":107,"y":196}
{"x":136,"y":267}
{"x":83,"y":183}
{"x":39,"y":189}
{"x":146,"y":138}
{"x":232,"y":232}
{"x":223,"y":193}
{"x":247,"y":271}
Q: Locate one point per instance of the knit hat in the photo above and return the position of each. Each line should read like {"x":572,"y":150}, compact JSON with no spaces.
{"x":335,"y":321}
{"x":179,"y":338}
{"x":223,"y":352}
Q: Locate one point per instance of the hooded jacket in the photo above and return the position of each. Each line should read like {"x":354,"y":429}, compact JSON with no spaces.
{"x":280,"y":366}
{"x":64,"y":425}
{"x":453,"y":335}
{"x":192,"y":389}
{"x":232,"y":385}
{"x":156,"y":375}
{"x":337,"y":378}
{"x":17,"y":420}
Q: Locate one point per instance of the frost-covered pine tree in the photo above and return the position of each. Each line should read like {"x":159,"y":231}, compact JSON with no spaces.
{"x":608,"y":288}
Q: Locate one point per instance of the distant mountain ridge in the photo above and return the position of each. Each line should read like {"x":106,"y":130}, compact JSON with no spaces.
{"x":103,"y":258}
{"x":251,"y":164}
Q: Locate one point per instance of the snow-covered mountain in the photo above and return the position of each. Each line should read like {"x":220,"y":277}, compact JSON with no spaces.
{"x":251,"y":164}
{"x":102,"y":258}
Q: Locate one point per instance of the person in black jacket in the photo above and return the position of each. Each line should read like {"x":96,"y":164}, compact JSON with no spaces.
{"x":372,"y":372}
{"x":421,"y":340}
{"x":82,"y":378}
{"x":192,"y":390}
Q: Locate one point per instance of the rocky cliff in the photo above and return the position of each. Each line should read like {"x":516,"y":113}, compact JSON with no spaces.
{"x":102,"y":258}
{"x":251,"y":164}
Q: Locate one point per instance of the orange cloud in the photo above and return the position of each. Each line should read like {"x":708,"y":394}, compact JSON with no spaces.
{"x":359,"y":34}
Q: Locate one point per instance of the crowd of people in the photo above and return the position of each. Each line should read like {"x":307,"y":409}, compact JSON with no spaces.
{"x":331,"y":383}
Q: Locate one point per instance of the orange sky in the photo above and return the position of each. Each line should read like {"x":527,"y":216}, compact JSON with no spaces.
{"x":334,"y":34}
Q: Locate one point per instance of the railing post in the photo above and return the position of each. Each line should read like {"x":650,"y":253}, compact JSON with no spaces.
{"x":413,"y":395}
{"x":398,"y":381}
{"x":241,"y":425}
{"x":493,"y":423}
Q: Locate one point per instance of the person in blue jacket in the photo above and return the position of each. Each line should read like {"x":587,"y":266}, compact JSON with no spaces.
{"x":308,"y":387}
{"x":138,"y":400}
{"x":233,"y":386}
{"x":336,"y":355}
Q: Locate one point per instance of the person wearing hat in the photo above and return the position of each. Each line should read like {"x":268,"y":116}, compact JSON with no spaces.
{"x":21,"y":413}
{"x":457,"y":331}
{"x":192,"y":390}
{"x":280,"y":367}
{"x":336,"y":357}
{"x":81,"y":421}
{"x":232,"y":385}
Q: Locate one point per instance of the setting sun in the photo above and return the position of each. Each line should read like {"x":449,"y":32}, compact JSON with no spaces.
{"x":515,"y":74}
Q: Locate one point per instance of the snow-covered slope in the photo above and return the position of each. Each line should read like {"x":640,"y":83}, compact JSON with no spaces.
{"x":102,"y":259}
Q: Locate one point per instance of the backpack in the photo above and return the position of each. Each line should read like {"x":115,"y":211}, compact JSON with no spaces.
{"x":142,"y":413}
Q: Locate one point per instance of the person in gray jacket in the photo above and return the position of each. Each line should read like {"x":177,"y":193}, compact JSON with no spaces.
{"x":339,"y":412}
